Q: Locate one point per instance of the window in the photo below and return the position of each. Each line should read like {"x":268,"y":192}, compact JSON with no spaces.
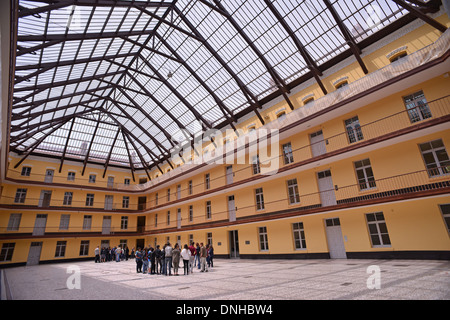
{"x":178,"y":192}
{"x":398,"y":56}
{"x":364,"y":174}
{"x":353,"y":128}
{"x":259,"y":199}
{"x":14,"y":221}
{"x":84,"y":248}
{"x":21,"y":194}
{"x":294,"y":197}
{"x":60,"y":249}
{"x":7,"y":251}
{"x":89,"y":199}
{"x":281,"y":115}
{"x":208,"y":210}
{"x":168,"y":217}
{"x":125,"y":202}
{"x":287,"y":153}
{"x":126,"y":181}
{"x":142,"y":180}
{"x":299,"y":235}
{"x":71,"y":176}
{"x":378,"y":229}
{"x":168,"y":195}
{"x":435,"y":157}
{"x":191,"y":213}
{"x":124,"y":223}
{"x":156,"y":220}
{"x":87,"y":222}
{"x":341,"y":84}
{"x":64,"y":222}
{"x":190,"y":187}
{"x":26,"y":171}
{"x":92,"y":178}
{"x":308,"y":100}
{"x":417,"y":107}
{"x":445,"y":209}
{"x":207,"y":181}
{"x":209,"y":238}
{"x":263,"y":241}
{"x":255,"y":165}
{"x":67,"y":201}
{"x":156,"y":199}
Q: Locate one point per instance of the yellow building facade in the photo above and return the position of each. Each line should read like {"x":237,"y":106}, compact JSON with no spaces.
{"x":363,"y":172}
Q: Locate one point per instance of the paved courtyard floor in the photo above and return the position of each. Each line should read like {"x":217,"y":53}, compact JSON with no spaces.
{"x":237,"y":280}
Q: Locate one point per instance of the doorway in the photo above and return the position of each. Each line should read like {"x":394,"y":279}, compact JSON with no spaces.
{"x":140,"y":224}
{"x":234,"y":244}
{"x":44,"y":200}
{"x":49,"y":175}
{"x":140,"y":243}
{"x":142,"y":201}
{"x":317,"y":143}
{"x":106,"y":227}
{"x":334,"y":239}
{"x":326,"y":188}
{"x":34,"y":255}
{"x":231,"y":209}
{"x":39,"y":225}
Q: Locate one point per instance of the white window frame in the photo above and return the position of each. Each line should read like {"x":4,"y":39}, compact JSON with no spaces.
{"x":263,"y":239}
{"x":377,"y":222}
{"x":259,"y":199}
{"x":293,"y":188}
{"x":298,"y":232}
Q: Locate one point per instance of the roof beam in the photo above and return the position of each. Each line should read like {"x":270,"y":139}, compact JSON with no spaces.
{"x":160,"y":105}
{"x":23,"y":12}
{"x":252,"y":100}
{"x":312,"y":66}
{"x":226,"y":112}
{"x":90,"y":146}
{"x":110,"y":152}
{"x":35,"y":104}
{"x":419,"y":14}
{"x":68,"y":82}
{"x":66,"y":145}
{"x":197,"y":115}
{"x":33,"y":146}
{"x":275,"y":76}
{"x":82,"y":36}
{"x":347,"y":35}
{"x":129,"y":155}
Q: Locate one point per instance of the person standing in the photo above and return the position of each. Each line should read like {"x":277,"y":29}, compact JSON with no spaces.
{"x":127,"y":253}
{"x":168,"y":259}
{"x":138,"y":257}
{"x":197,"y":256}
{"x":211,"y":256}
{"x":118,"y":252}
{"x":176,"y":259}
{"x":145,"y":261}
{"x":157,"y":255}
{"x":97,"y":254}
{"x":192,"y":257}
{"x":203,"y":254}
{"x":186,"y":256}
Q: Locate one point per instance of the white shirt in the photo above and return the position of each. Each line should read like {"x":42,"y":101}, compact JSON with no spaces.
{"x":185,"y":254}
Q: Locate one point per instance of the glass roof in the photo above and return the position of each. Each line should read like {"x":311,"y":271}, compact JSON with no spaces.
{"x":113,"y":81}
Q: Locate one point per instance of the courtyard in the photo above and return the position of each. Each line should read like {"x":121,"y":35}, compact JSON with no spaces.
{"x":334,"y":279}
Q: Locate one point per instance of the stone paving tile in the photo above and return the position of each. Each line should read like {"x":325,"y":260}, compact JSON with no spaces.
{"x":240,"y":280}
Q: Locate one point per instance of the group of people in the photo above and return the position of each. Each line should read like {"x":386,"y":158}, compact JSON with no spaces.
{"x":111,"y":254}
{"x":160,"y":261}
